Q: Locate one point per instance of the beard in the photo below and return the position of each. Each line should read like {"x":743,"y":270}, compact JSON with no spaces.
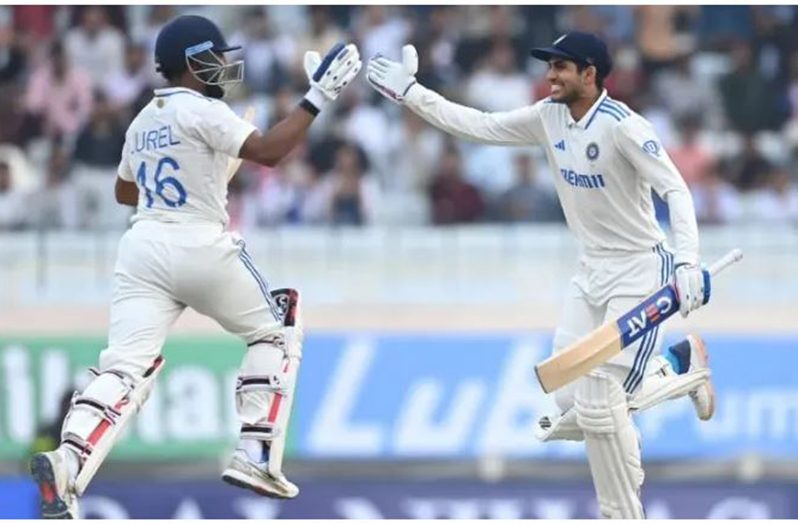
{"x":214,"y":91}
{"x":566,"y":96}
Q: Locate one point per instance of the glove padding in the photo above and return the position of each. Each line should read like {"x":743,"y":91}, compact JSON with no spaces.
{"x":692,"y":286}
{"x":393,"y":79}
{"x":329,"y":76}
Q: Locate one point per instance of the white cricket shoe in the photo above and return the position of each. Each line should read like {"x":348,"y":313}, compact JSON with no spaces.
{"x":704,"y":396}
{"x":51,"y":473}
{"x":244,"y":473}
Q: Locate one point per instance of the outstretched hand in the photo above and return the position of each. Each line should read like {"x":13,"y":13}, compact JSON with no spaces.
{"x":394,"y":79}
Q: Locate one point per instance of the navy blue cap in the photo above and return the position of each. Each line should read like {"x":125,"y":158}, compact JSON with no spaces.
{"x":585,"y":48}
{"x":185,"y":32}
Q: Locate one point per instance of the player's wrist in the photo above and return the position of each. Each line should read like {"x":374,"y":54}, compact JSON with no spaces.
{"x":316,"y":99}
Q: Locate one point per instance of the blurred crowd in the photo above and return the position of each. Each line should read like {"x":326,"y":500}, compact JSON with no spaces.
{"x":719,"y":83}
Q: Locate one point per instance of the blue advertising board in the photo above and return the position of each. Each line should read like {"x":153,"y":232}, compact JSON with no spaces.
{"x":360,"y":499}
{"x":465,"y":396}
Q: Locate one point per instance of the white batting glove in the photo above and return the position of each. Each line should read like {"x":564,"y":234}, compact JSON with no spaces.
{"x":692,"y":286}
{"x":393,"y":79}
{"x":329,"y":76}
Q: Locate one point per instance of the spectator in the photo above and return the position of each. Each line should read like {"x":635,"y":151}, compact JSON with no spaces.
{"x":323,"y":34}
{"x":719,"y":25}
{"x":413,"y":149}
{"x":657,"y":36}
{"x":96,"y":156}
{"x":499,"y":74}
{"x":382,"y":31}
{"x":12,"y":58}
{"x":56,"y":204}
{"x":749,"y":100}
{"x":350,"y":193}
{"x":124,"y":87}
{"x":100,"y":142}
{"x":437,"y":41}
{"x":59,"y":96}
{"x":12,"y":201}
{"x":685,"y":95}
{"x":716,"y":200}
{"x":750,"y":169}
{"x":527,"y":201}
{"x":503,"y":25}
{"x":454,"y":200}
{"x":266,"y":54}
{"x":96,"y":45}
{"x":692,"y":159}
{"x":777,"y":201}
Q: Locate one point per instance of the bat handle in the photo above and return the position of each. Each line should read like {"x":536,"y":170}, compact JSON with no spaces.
{"x":731,"y":257}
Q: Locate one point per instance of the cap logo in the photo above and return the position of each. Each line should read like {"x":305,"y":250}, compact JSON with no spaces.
{"x":560,"y":39}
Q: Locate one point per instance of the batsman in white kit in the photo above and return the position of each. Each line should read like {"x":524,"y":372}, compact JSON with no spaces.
{"x":606,"y":160}
{"x":180,"y":152}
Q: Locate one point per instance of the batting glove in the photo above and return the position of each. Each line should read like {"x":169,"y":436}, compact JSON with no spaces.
{"x":692,"y":286}
{"x":329,"y":76}
{"x":393,"y":79}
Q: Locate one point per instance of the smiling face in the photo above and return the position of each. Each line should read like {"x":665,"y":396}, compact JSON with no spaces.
{"x":567,"y":83}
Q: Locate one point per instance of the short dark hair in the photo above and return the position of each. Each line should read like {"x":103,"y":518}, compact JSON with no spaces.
{"x":581,"y":66}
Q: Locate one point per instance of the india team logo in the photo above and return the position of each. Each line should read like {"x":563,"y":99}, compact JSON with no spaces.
{"x":592,"y":151}
{"x":651,"y":147}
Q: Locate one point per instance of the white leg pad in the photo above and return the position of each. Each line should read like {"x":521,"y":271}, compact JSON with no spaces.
{"x":265,"y":389}
{"x":562,"y":427}
{"x":612,"y":445}
{"x":99,"y":415}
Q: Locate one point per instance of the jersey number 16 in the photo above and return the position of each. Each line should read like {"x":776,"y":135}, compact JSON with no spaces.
{"x":161,"y":184}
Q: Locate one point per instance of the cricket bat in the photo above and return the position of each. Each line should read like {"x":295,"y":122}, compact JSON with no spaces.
{"x":607,"y":341}
{"x":235,"y":163}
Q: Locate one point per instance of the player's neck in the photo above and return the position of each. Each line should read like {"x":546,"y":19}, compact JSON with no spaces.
{"x":582,"y":105}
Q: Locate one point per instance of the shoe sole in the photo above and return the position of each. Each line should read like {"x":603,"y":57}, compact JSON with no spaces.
{"x":701,"y":350}
{"x":231,"y":479}
{"x":53,"y":507}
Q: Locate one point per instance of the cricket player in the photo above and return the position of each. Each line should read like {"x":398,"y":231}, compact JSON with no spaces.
{"x":606,"y":160}
{"x":177,"y":254}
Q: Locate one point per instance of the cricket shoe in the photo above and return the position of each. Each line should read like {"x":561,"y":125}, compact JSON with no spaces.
{"x":51,"y":473}
{"x":244,"y":473}
{"x":704,"y":396}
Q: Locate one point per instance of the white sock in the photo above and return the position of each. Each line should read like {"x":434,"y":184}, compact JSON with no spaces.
{"x":253,"y":448}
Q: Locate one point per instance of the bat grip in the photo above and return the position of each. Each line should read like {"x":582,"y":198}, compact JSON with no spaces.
{"x":731,"y":257}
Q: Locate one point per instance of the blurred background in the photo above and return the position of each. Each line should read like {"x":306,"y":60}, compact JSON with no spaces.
{"x":432,"y":270}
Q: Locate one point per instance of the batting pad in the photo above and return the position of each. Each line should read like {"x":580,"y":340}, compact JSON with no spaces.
{"x":613,"y":449}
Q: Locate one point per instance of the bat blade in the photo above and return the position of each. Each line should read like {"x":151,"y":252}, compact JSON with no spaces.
{"x":607,"y":341}
{"x":579,"y":358}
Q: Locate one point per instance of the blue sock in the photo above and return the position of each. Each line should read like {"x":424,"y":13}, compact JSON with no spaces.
{"x":679,"y":356}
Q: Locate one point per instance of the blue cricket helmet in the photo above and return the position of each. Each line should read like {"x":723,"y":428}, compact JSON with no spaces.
{"x":184,"y":37}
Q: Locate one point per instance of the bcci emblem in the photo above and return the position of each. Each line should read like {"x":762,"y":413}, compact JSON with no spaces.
{"x":592,"y":151}
{"x":651,"y":147}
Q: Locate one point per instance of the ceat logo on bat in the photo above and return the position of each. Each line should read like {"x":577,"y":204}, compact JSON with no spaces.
{"x":647,"y":314}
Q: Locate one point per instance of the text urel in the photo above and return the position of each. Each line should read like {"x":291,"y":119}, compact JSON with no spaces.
{"x":154,"y":139}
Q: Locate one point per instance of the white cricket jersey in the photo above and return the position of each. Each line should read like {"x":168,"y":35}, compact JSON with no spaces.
{"x":605,"y":166}
{"x":177,"y":150}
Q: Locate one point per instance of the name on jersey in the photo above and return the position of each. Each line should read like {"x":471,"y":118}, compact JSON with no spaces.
{"x":155,"y":139}
{"x":587,"y":181}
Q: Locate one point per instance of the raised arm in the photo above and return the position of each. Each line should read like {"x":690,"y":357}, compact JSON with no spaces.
{"x":327,"y":79}
{"x":396,"y":81}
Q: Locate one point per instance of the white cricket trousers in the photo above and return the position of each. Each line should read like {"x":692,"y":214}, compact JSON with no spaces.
{"x":606,"y":286}
{"x":163,"y":268}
